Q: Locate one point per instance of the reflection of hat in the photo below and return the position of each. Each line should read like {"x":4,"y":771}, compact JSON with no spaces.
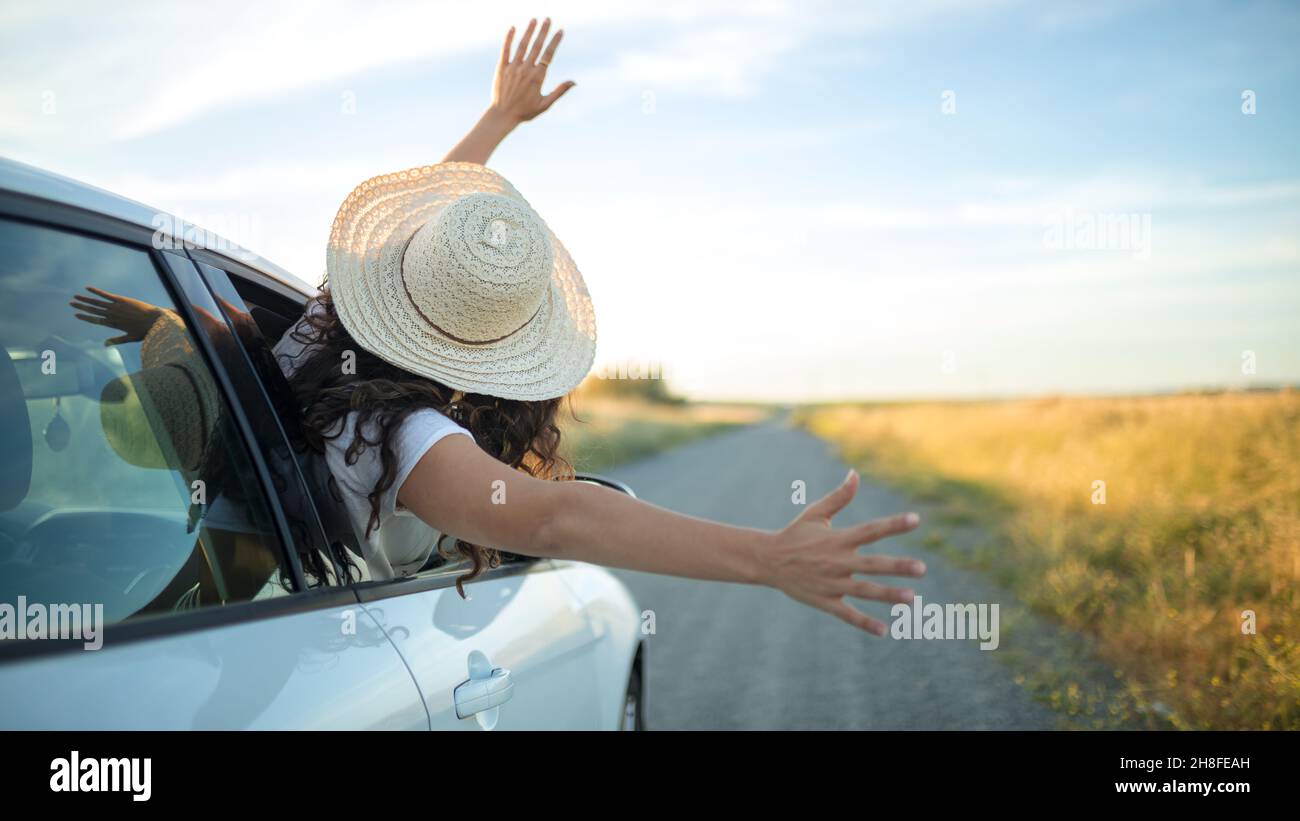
{"x":445,"y":271}
{"x":162,"y":416}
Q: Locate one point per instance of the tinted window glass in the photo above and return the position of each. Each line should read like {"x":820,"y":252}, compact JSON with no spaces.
{"x":126,"y":482}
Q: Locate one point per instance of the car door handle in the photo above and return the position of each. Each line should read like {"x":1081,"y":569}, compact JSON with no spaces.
{"x":478,"y":695}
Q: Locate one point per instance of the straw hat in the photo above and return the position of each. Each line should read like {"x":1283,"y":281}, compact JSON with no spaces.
{"x":445,"y":271}
{"x":165,"y":414}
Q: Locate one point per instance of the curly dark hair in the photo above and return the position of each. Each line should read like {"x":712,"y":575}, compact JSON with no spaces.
{"x":522,"y":434}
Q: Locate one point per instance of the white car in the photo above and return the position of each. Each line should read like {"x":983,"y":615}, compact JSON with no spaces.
{"x":236,"y":600}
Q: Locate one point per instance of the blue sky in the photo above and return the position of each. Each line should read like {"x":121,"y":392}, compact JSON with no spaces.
{"x":769,"y":200}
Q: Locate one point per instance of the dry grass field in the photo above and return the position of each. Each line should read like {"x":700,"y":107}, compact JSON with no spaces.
{"x":1198,"y":521}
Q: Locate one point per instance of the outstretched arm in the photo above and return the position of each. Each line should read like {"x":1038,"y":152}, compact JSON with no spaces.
{"x":454,"y":488}
{"x":516,"y":93}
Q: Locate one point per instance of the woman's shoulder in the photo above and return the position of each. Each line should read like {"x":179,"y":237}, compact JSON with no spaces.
{"x":424,"y":427}
{"x":414,"y":434}
{"x":359,"y":469}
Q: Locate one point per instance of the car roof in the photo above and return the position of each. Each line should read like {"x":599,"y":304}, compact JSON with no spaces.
{"x":36,"y":182}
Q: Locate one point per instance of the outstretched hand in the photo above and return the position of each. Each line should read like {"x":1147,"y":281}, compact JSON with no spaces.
{"x":517,"y":86}
{"x":815,"y":563}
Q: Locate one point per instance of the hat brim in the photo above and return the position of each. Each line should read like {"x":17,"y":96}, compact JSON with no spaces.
{"x":548,"y":357}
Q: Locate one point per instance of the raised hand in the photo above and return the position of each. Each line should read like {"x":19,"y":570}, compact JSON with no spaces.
{"x":816,"y":564}
{"x":517,"y":86}
{"x":516,"y":93}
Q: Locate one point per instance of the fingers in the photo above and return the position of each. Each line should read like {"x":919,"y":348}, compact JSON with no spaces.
{"x":880,"y":592}
{"x":90,"y":303}
{"x":857,"y":618}
{"x":889,"y":566}
{"x":523,"y":41}
{"x":118,"y":340}
{"x":833,"y":502}
{"x":559,"y":92}
{"x":549,"y":54}
{"x":505,"y":49}
{"x":105,"y":294}
{"x":83,"y":302}
{"x":536,"y":50}
{"x":877,"y":529}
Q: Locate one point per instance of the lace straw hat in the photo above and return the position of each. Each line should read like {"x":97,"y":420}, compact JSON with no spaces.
{"x":165,"y":414}
{"x":445,"y":271}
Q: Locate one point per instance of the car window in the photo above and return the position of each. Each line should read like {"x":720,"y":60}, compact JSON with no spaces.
{"x":126,"y":481}
{"x":274,"y":314}
{"x":260,"y":316}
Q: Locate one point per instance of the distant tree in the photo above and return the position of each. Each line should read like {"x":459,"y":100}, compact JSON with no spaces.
{"x":645,"y":390}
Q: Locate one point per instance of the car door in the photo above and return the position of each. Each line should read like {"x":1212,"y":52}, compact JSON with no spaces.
{"x":521,"y":617}
{"x":520,"y":621}
{"x":151,"y":573}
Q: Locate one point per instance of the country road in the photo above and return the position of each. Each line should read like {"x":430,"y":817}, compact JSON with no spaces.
{"x":736,"y":657}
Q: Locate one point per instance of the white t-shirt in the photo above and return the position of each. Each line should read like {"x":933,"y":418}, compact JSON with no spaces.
{"x":402,"y":542}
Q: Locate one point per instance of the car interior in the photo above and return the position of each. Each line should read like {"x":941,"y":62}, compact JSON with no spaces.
{"x":273,"y":312}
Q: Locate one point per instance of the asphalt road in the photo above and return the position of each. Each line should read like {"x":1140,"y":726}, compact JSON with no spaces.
{"x":729,"y":656}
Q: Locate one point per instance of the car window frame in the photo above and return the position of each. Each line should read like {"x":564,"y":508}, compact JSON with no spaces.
{"x":219,"y":279}
{"x":247,"y":346}
{"x":182,"y":280}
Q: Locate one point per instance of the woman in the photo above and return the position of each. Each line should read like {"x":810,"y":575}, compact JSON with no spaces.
{"x":431,"y":370}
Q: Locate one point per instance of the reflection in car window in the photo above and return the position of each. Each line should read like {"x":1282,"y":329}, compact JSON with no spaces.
{"x":126,"y":482}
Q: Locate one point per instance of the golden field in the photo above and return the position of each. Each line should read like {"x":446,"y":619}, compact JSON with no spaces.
{"x":1200,"y":522}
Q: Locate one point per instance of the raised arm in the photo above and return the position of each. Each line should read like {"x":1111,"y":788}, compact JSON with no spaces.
{"x":454,"y":488}
{"x":516,"y":93}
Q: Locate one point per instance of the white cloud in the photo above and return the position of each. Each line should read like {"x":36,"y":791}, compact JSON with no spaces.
{"x":132,"y":70}
{"x":727,"y":61}
{"x":171,"y":62}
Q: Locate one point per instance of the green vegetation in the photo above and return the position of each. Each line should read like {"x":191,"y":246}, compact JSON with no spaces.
{"x":626,"y":419}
